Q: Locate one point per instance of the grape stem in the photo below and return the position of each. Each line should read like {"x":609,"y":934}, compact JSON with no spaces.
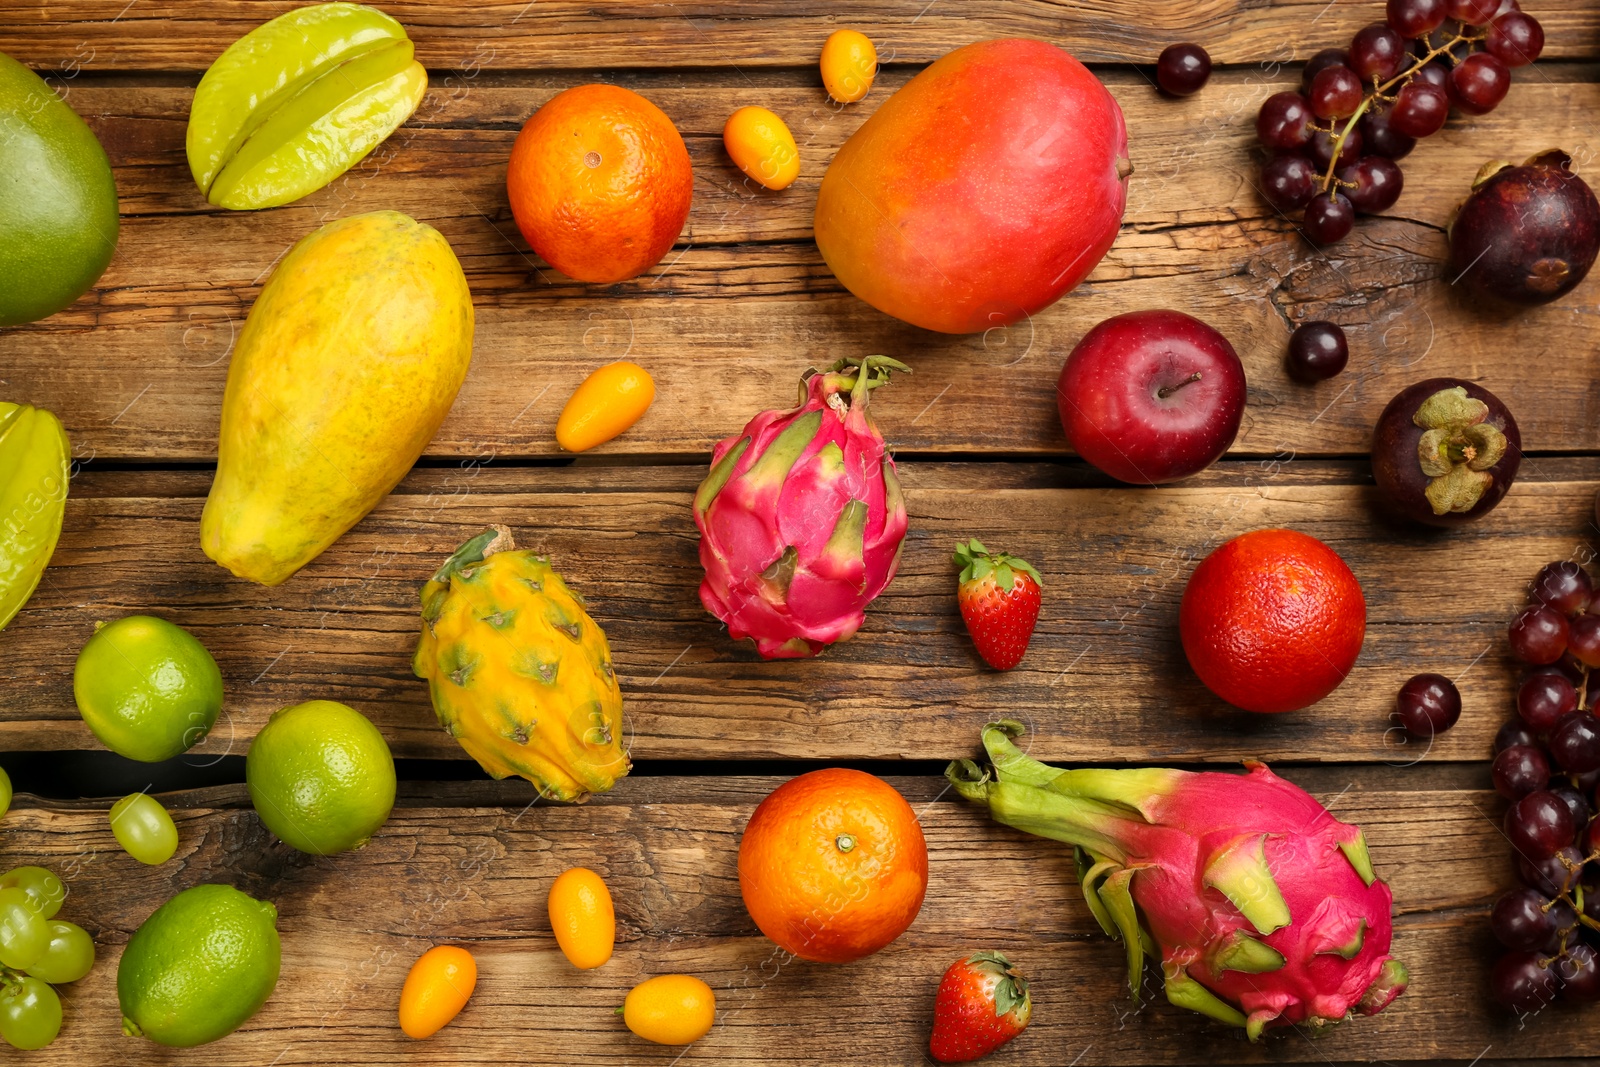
{"x":1379,"y":91}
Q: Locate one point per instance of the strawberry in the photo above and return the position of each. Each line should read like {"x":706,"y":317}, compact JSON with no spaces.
{"x":999,"y":598}
{"x":982,"y":1003}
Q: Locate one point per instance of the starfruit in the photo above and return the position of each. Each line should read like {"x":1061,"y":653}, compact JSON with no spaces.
{"x":34,"y":459}
{"x":298,"y":101}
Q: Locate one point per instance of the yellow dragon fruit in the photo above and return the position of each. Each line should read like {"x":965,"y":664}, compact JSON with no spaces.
{"x":519,"y":673}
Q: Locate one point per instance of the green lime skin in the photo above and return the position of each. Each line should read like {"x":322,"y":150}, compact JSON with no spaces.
{"x":147,"y":688}
{"x":321,"y":777}
{"x":203,"y":963}
{"x":58,"y":202}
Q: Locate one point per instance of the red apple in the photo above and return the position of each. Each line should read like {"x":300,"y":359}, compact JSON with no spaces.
{"x":1151,"y":396}
{"x":982,"y":190}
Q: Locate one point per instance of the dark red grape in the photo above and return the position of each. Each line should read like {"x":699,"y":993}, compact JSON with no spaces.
{"x":1591,"y":838}
{"x":1575,"y":802}
{"x":1513,"y":733}
{"x":1375,"y":184}
{"x":1415,"y":18}
{"x":1521,"y":982}
{"x":1288,"y":182}
{"x":1382,"y":139}
{"x":1575,"y":743}
{"x":1284,"y":122}
{"x":1543,"y":699}
{"x":1336,"y":93}
{"x":1318,"y":351}
{"x":1520,"y":920}
{"x":1579,"y":969}
{"x":1515,"y":39}
{"x":1182,"y":69}
{"x":1472,"y":12}
{"x":1563,"y":585}
{"x":1567,"y":666}
{"x":1586,"y":782}
{"x":1419,"y":109}
{"x":1328,"y":218}
{"x":1552,"y":875}
{"x":1478,"y":84}
{"x":1538,"y":635}
{"x":1583,"y":639}
{"x":1322,"y":147}
{"x":1520,"y":770}
{"x":1435,"y":74}
{"x":1328,"y":57}
{"x":1428,"y":704}
{"x":1377,"y":52}
{"x":1539,"y":825}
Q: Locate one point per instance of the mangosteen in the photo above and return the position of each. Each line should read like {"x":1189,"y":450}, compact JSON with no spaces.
{"x":1526,"y":234}
{"x":1445,"y":451}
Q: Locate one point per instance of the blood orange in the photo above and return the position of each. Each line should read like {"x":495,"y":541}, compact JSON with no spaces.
{"x":1272,"y":621}
{"x":833,"y":865}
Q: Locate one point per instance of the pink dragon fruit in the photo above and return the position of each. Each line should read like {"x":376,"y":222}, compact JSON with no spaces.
{"x":801,"y":518}
{"x":1263,"y":906}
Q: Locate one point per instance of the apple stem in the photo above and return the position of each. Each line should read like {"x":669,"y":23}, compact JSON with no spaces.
{"x":1167,"y":390}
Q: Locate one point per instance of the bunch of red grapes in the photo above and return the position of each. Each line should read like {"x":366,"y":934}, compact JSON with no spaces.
{"x":1335,"y":141}
{"x":1547,"y":763}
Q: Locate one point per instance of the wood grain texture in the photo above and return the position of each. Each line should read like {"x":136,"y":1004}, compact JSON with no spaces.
{"x":745,"y":303}
{"x":1105,"y":679}
{"x":352,"y":925}
{"x":517,"y":34}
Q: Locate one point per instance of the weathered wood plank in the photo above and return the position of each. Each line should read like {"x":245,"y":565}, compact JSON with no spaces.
{"x":511,"y":34}
{"x":754,"y":314}
{"x":352,"y":924}
{"x":1105,"y":679}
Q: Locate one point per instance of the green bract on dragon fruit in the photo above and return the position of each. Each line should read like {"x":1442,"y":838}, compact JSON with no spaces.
{"x":1264,"y":907}
{"x":801,"y":518}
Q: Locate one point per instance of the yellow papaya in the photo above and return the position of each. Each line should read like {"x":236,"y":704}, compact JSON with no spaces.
{"x":347,"y":364}
{"x":34,"y":466}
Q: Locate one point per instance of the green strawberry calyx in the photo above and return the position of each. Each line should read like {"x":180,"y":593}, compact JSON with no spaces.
{"x":977,"y":563}
{"x":1010,"y":988}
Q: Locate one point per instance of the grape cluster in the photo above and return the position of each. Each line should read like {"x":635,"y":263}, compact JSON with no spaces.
{"x":37,"y":953}
{"x":1358,"y":110}
{"x":1547,"y":764}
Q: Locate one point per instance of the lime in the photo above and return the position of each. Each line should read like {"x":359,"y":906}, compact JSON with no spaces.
{"x":203,"y":963}
{"x":147,"y":688}
{"x":58,"y":202}
{"x":321,"y":777}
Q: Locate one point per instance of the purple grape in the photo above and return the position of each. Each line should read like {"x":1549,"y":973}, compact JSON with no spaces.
{"x":1579,"y":969}
{"x":1382,"y":139}
{"x":1563,"y":586}
{"x":1328,"y":218}
{"x":1182,"y":69}
{"x":1522,"y":982}
{"x":1288,"y":182}
{"x":1539,"y":825}
{"x":1515,"y":732}
{"x":1575,"y":743}
{"x":1520,"y":770}
{"x":1321,"y":147}
{"x":1375,"y":184}
{"x":1284,"y":122}
{"x":1552,"y":875}
{"x":1538,"y":635}
{"x":1543,"y":699}
{"x":1328,"y":57}
{"x":1521,"y":921}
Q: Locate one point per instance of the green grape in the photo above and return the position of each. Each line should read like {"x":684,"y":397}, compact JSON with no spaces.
{"x":30,"y":1013}
{"x":144,"y":829}
{"x":69,"y":957}
{"x":42,"y":887}
{"x":23,"y":933}
{"x":5,"y":792}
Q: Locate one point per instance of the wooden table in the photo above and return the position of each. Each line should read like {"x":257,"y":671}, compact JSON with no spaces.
{"x":726,"y":323}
